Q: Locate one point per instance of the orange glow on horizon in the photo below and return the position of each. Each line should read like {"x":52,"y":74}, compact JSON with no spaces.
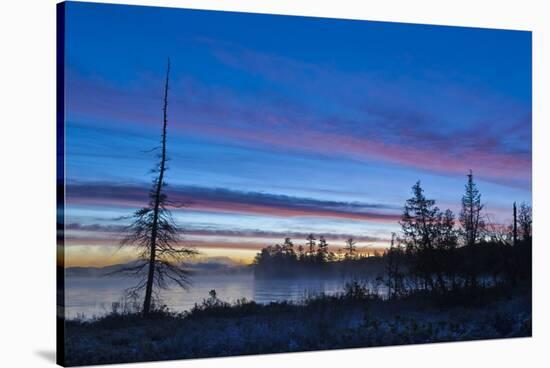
{"x":102,"y":256}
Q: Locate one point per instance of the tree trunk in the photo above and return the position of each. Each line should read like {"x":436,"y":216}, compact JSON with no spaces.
{"x":515,"y":230}
{"x":157,"y":200}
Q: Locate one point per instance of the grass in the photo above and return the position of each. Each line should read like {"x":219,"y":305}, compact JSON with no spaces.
{"x":353,"y":318}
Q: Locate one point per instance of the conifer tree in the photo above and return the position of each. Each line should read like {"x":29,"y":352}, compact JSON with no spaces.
{"x":470,"y":215}
{"x":154,"y":232}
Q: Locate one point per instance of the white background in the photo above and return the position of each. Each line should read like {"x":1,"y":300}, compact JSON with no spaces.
{"x":27,"y":180}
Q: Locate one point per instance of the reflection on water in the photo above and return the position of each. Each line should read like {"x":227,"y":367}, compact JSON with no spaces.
{"x":93,"y":296}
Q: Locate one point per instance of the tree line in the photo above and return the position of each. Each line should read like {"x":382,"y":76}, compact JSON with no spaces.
{"x":435,"y":250}
{"x":435,"y":254}
{"x":312,"y":256}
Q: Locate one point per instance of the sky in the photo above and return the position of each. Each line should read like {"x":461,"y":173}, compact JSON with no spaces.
{"x":284,"y":126}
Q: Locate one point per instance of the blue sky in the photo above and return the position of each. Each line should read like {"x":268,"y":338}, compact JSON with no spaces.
{"x":286,"y":125}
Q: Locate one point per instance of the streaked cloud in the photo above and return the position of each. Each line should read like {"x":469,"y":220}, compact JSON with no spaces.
{"x":113,"y":230}
{"x":229,"y":201}
{"x":374,"y":123}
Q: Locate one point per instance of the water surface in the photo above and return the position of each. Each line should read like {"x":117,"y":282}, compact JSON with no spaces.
{"x":93,"y":296}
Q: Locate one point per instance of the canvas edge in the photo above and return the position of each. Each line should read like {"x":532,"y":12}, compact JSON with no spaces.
{"x":60,"y":183}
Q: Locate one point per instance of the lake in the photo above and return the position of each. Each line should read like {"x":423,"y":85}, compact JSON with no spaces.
{"x":94,"y":296}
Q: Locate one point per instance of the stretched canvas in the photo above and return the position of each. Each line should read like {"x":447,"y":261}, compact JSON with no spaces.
{"x":234,"y":183}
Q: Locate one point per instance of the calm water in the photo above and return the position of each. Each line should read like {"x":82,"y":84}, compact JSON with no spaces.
{"x":93,"y":296}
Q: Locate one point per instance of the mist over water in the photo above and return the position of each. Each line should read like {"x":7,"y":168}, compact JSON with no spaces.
{"x":93,"y":296}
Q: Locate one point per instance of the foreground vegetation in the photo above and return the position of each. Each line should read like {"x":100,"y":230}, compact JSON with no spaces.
{"x":357,"y":317}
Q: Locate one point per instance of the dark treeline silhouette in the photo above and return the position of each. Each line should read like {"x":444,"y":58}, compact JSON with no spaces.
{"x":434,"y":252}
{"x":313,"y":258}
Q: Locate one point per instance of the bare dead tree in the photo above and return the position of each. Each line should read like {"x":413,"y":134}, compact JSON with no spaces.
{"x":515,"y":226}
{"x":154,"y":232}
